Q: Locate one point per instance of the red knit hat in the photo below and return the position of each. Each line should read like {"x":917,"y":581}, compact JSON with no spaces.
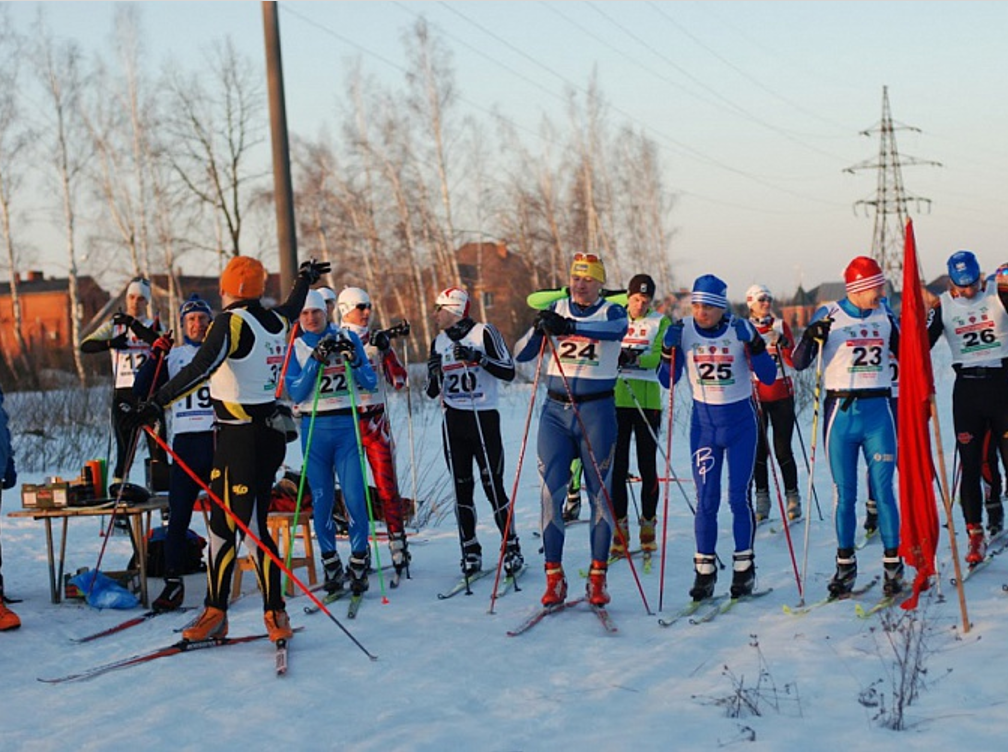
{"x":244,"y":277}
{"x":863,"y":273}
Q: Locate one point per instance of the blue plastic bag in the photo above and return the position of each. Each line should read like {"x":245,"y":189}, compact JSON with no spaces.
{"x":106,"y":592}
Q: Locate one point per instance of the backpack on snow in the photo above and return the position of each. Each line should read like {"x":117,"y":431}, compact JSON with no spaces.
{"x":192,"y":563}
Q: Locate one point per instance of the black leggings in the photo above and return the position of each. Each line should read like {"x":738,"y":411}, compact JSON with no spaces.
{"x":779,"y":414}
{"x":244,"y":469}
{"x":466,"y":441}
{"x":978,"y":405}
{"x":629,"y":422}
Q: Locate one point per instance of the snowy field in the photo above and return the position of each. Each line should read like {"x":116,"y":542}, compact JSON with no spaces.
{"x":448,"y":676}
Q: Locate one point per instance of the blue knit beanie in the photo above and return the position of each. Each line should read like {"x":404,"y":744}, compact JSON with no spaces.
{"x":711,"y":291}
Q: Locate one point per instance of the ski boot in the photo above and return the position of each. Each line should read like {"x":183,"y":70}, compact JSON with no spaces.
{"x":596,"y":590}
{"x":995,"y":515}
{"x":620,"y":540}
{"x":572,"y":507}
{"x":871,"y":517}
{"x":648,"y":543}
{"x":399,"y":549}
{"x":743,"y":573}
{"x":171,"y":597}
{"x":472,"y":561}
{"x":332,"y":569}
{"x":357,"y":568}
{"x":514,"y":562}
{"x":793,"y":500}
{"x":977,"y":545}
{"x":556,"y":585}
{"x":278,"y":624}
{"x":762,"y":505}
{"x":8,"y":619}
{"x":892,"y":570}
{"x":846,"y":573}
{"x":212,"y":623}
{"x":706,"y":576}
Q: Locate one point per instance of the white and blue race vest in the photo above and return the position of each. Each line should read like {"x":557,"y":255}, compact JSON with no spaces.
{"x":717,"y":368}
{"x":466,"y":386}
{"x":856,"y":353}
{"x":976,"y":328}
{"x":194,"y":412}
{"x":584,"y":357}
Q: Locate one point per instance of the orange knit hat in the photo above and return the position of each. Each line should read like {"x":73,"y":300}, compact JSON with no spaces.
{"x":244,"y":277}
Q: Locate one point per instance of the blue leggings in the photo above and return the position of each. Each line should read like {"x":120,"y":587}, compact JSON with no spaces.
{"x":334,"y":447}
{"x":717,"y":433}
{"x":560,"y":441}
{"x":866,"y":426}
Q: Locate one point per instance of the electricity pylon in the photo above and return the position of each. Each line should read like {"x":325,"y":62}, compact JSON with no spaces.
{"x":891,"y":198}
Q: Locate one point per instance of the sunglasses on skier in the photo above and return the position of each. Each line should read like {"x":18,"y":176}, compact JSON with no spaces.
{"x":591,"y":258}
{"x":363,"y":306}
{"x":764,"y":299}
{"x":190,"y":306}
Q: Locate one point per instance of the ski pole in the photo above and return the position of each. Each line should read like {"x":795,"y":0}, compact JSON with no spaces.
{"x":801,"y":439}
{"x":815,"y":434}
{"x":668,"y":476}
{"x":595,"y":465}
{"x":134,"y":442}
{"x":521,"y":458}
{"x":249,"y":534}
{"x":446,"y":438}
{"x":496,"y":500}
{"x":352,"y":390}
{"x":664,"y":455}
{"x":668,"y":473}
{"x":761,"y":417}
{"x":291,"y":533}
{"x":409,"y":422}
{"x":287,"y":356}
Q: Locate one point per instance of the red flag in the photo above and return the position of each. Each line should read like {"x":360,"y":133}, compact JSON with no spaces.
{"x":918,"y":507}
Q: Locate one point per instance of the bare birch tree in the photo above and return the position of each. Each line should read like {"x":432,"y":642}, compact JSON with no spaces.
{"x":57,"y":66}
{"x":214,"y":132}
{"x":430,"y":97}
{"x":16,"y":138}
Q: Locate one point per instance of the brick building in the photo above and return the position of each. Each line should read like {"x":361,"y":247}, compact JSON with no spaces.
{"x":45,"y":313}
{"x":498,"y":282}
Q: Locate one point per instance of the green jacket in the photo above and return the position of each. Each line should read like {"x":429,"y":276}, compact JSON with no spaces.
{"x":648,"y":391}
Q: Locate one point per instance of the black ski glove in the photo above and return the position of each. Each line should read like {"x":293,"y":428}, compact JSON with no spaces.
{"x":123,"y":319}
{"x":467,"y":354}
{"x":628,"y":357}
{"x":146,"y":413}
{"x":345,"y":347}
{"x":325,"y":349}
{"x":434,"y":368}
{"x":381,"y":339}
{"x":551,"y":322}
{"x":818,"y":330}
{"x":313,"y":270}
{"x":402,"y":329}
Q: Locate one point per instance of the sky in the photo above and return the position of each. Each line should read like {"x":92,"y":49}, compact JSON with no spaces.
{"x":757,"y":107}
{"x":448,"y":677}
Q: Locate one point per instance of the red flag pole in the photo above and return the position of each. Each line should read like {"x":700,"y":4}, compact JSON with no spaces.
{"x":947,"y":502}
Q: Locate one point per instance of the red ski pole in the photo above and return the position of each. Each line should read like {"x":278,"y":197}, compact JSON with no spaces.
{"x":251,"y":536}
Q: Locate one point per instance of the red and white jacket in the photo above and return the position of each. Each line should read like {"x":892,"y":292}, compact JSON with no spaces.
{"x":780,"y":345}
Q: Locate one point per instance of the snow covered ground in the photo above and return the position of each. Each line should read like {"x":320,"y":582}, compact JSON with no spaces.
{"x":448,"y":676}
